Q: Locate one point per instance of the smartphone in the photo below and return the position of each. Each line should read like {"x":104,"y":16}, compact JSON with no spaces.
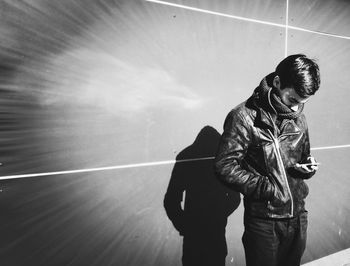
{"x":306,"y":164}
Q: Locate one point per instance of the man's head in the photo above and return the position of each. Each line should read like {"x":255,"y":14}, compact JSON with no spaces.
{"x":297,"y":78}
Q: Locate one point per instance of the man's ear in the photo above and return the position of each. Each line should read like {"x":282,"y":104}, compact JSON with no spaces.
{"x":276,"y":82}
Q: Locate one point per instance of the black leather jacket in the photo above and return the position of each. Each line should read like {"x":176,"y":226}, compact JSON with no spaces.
{"x":256,"y":158}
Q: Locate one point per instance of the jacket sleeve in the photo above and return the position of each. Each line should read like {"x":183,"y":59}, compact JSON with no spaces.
{"x":306,"y":153}
{"x":232,"y":150}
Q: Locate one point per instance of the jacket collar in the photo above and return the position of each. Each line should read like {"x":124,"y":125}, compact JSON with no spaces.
{"x":260,"y":102}
{"x":265,"y":112}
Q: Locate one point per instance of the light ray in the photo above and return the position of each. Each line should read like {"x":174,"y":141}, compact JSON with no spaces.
{"x":116,"y":167}
{"x":286,"y":26}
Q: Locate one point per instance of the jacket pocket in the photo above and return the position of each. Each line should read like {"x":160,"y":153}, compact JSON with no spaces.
{"x":279,"y":198}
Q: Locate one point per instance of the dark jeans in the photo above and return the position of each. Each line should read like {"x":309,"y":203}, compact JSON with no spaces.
{"x":274,"y":242}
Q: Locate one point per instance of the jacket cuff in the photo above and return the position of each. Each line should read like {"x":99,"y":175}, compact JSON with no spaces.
{"x":297,"y":174}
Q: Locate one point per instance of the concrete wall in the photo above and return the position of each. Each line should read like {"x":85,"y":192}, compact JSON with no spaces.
{"x":135,"y":85}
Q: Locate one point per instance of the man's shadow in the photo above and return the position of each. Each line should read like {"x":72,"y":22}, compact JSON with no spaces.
{"x":202,"y":218}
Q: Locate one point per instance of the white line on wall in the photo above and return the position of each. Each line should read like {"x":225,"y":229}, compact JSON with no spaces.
{"x":286,"y":30}
{"x":116,"y":167}
{"x":125,"y":166}
{"x":331,"y":147}
{"x":217,"y":13}
{"x":249,"y":19}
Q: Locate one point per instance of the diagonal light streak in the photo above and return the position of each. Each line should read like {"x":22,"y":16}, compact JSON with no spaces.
{"x":331,"y":147}
{"x":285,"y":26}
{"x":217,"y":13}
{"x":116,"y":167}
{"x":319,"y":32}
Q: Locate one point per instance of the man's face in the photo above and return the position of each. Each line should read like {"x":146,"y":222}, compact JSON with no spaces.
{"x":290,"y":98}
{"x":288,"y":95}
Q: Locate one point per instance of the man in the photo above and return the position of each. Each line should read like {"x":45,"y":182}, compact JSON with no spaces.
{"x":264,"y":153}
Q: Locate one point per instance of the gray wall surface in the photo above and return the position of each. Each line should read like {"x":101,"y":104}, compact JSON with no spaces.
{"x":121,"y":89}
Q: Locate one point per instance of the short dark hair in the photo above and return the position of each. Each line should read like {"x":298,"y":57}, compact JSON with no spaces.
{"x":299,"y":72}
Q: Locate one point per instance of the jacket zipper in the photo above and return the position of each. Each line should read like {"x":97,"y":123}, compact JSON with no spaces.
{"x":279,"y":157}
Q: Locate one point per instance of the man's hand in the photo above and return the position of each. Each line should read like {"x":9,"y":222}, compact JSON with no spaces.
{"x":309,"y":166}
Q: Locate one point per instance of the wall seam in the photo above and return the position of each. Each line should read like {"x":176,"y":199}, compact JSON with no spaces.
{"x":136,"y":165}
{"x":286,"y":30}
{"x":249,"y":19}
